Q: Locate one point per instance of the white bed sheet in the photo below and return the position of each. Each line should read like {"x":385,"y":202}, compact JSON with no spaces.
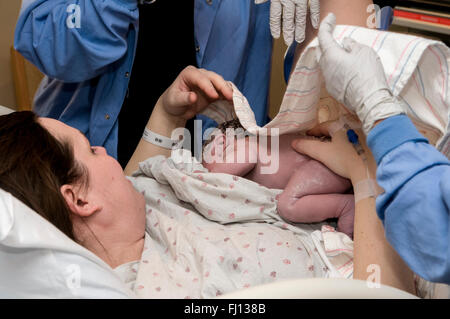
{"x":5,"y":110}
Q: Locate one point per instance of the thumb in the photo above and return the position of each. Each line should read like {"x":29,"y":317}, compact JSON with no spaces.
{"x":325,"y":35}
{"x":183,"y":98}
{"x":313,"y":148}
{"x":349,"y":44}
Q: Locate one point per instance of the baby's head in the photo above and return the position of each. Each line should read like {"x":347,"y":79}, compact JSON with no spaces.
{"x":224,"y":140}
{"x":221,"y":131}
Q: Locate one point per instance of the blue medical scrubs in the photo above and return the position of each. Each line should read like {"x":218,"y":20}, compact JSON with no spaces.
{"x":233,"y":39}
{"x":87,"y":52}
{"x":415,"y":206}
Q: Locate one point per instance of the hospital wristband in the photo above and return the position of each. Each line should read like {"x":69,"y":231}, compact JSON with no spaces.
{"x":366,"y":189}
{"x":162,"y":141}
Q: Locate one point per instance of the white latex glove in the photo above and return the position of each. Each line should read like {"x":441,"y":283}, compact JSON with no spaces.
{"x":294,"y":14}
{"x":355,"y":77}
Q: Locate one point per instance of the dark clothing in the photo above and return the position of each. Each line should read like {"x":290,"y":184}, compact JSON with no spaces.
{"x":165,"y":47}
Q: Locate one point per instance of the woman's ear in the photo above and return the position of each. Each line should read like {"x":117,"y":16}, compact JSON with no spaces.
{"x":77,"y":203}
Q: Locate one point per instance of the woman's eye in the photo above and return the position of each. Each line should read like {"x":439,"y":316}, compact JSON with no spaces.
{"x":93,"y":150}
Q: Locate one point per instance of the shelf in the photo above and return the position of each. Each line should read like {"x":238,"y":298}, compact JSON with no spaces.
{"x":421,"y":25}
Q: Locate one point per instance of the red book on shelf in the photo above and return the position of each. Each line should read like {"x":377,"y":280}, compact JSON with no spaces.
{"x":421,"y":17}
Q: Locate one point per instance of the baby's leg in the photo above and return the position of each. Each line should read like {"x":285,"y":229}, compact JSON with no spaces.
{"x":317,"y":208}
{"x":314,"y":194}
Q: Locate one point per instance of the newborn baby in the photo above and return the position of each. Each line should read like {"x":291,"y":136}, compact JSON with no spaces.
{"x":312,"y":192}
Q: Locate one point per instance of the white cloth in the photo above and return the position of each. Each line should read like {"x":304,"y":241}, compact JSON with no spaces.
{"x":417,"y":71}
{"x":444,"y":143}
{"x":4,"y":110}
{"x":38,"y":261}
{"x":209,"y":234}
{"x":127,"y":273}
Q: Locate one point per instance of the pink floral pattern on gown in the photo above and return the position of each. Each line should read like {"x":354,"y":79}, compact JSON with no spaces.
{"x":208,"y":234}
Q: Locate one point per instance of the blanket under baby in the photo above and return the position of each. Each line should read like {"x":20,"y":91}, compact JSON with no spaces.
{"x":209,"y":234}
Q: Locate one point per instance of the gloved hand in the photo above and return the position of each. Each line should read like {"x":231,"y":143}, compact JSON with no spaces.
{"x":355,"y":77}
{"x":294,"y":14}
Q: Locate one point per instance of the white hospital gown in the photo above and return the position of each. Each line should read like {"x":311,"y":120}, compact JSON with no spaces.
{"x":209,"y":234}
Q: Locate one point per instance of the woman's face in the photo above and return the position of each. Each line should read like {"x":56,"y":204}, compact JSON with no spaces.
{"x":121,"y":206}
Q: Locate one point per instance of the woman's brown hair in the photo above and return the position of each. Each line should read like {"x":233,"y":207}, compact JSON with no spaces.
{"x":34,"y":165}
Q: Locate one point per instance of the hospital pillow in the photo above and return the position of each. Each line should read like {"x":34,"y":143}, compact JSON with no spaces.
{"x":39,"y":261}
{"x":4,"y":110}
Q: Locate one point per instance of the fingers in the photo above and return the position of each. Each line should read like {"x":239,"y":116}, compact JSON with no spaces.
{"x":349,"y":44}
{"x":291,"y":15}
{"x":275,"y":18}
{"x":313,"y":148}
{"x":288,"y":22}
{"x":210,"y":84}
{"x":330,"y":128}
{"x":223,"y":88}
{"x":322,"y":129}
{"x":204,"y":83}
{"x":314,"y":6}
{"x":301,"y":12}
{"x":326,"y":30}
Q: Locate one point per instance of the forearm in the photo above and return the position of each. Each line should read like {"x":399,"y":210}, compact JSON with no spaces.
{"x":415,"y":205}
{"x":372,"y":252}
{"x":161,"y":123}
{"x":348,"y":12}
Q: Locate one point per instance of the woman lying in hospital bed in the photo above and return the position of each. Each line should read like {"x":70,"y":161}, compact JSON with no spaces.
{"x":185,"y":232}
{"x":181,"y":232}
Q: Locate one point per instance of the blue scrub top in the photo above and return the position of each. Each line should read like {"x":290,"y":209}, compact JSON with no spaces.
{"x":415,"y":205}
{"x":87,"y":52}
{"x":233,"y":39}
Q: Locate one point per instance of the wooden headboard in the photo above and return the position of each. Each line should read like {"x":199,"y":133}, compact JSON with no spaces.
{"x":26,"y":80}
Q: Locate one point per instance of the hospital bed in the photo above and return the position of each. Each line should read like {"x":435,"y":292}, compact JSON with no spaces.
{"x":39,"y":261}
